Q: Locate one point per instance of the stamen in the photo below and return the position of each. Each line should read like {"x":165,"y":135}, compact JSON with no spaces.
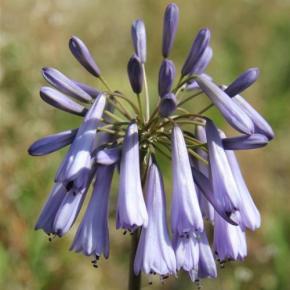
{"x":197,"y":283}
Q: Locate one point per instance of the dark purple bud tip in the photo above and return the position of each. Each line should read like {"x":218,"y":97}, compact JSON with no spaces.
{"x":167,"y":105}
{"x":61,"y":101}
{"x":135,"y":74}
{"x":243,"y":81}
{"x":138,"y":34}
{"x":166,"y":77}
{"x":198,"y":47}
{"x":170,"y":23}
{"x":83,"y":56}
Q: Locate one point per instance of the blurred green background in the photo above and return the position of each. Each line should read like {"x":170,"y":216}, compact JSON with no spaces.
{"x":34,"y":34}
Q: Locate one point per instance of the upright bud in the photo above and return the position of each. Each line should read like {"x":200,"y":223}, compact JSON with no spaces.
{"x":135,"y":74}
{"x":170,"y":23}
{"x":83,"y":56}
{"x":243,"y":81}
{"x":138,"y":34}
{"x":166,"y":77}
{"x":198,"y":47}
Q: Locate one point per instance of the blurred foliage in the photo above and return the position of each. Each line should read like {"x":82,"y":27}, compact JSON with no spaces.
{"x":35,"y":33}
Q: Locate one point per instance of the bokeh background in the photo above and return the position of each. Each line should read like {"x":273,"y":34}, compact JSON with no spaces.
{"x":245,"y":33}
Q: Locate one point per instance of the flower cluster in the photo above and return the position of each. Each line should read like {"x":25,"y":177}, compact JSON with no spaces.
{"x":119,"y":131}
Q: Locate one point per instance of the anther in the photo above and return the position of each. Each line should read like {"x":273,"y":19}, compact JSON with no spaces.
{"x":124,"y":233}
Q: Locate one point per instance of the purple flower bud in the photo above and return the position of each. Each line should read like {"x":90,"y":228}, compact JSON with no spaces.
{"x":229,"y":241}
{"x":138,"y":34}
{"x":186,"y":216}
{"x":135,"y":74}
{"x":242,"y":82}
{"x":78,"y":161}
{"x":186,"y":251}
{"x":250,"y":216}
{"x":170,"y":23}
{"x":92,"y":237}
{"x":166,"y":77}
{"x":202,"y":63}
{"x":155,"y":253}
{"x":167,"y":105}
{"x":52,"y":143}
{"x":232,"y":113}
{"x":108,"y":156}
{"x":64,"y":84}
{"x":206,"y":262}
{"x":245,"y":142}
{"x":198,"y":47}
{"x":83,"y":56}
{"x":94,"y":93}
{"x":131,"y":209}
{"x":260,"y":124}
{"x":48,"y":212}
{"x":205,"y":206}
{"x":61,"y":101}
{"x":221,"y":177}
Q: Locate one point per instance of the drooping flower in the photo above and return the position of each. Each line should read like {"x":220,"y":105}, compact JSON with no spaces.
{"x":186,"y":251}
{"x":232,"y":113}
{"x":205,"y":206}
{"x":92,"y":237}
{"x":135,"y":74}
{"x":61,"y":101}
{"x":65,"y":85}
{"x":198,"y":47}
{"x":249,"y":214}
{"x":166,"y":77}
{"x":131,"y":209}
{"x":206,"y":264}
{"x":229,"y":241}
{"x":83,"y":56}
{"x":51,"y":206}
{"x":78,"y":163}
{"x":186,"y":216}
{"x":138,"y":34}
{"x":68,"y":211}
{"x":224,"y":188}
{"x":242,"y":82}
{"x":155,"y":252}
{"x":170,"y":23}
{"x":52,"y":143}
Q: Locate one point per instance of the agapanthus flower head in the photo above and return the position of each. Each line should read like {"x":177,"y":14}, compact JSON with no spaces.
{"x":120,"y":131}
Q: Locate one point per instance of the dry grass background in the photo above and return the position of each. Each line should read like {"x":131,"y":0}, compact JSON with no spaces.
{"x":35,"y":34}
